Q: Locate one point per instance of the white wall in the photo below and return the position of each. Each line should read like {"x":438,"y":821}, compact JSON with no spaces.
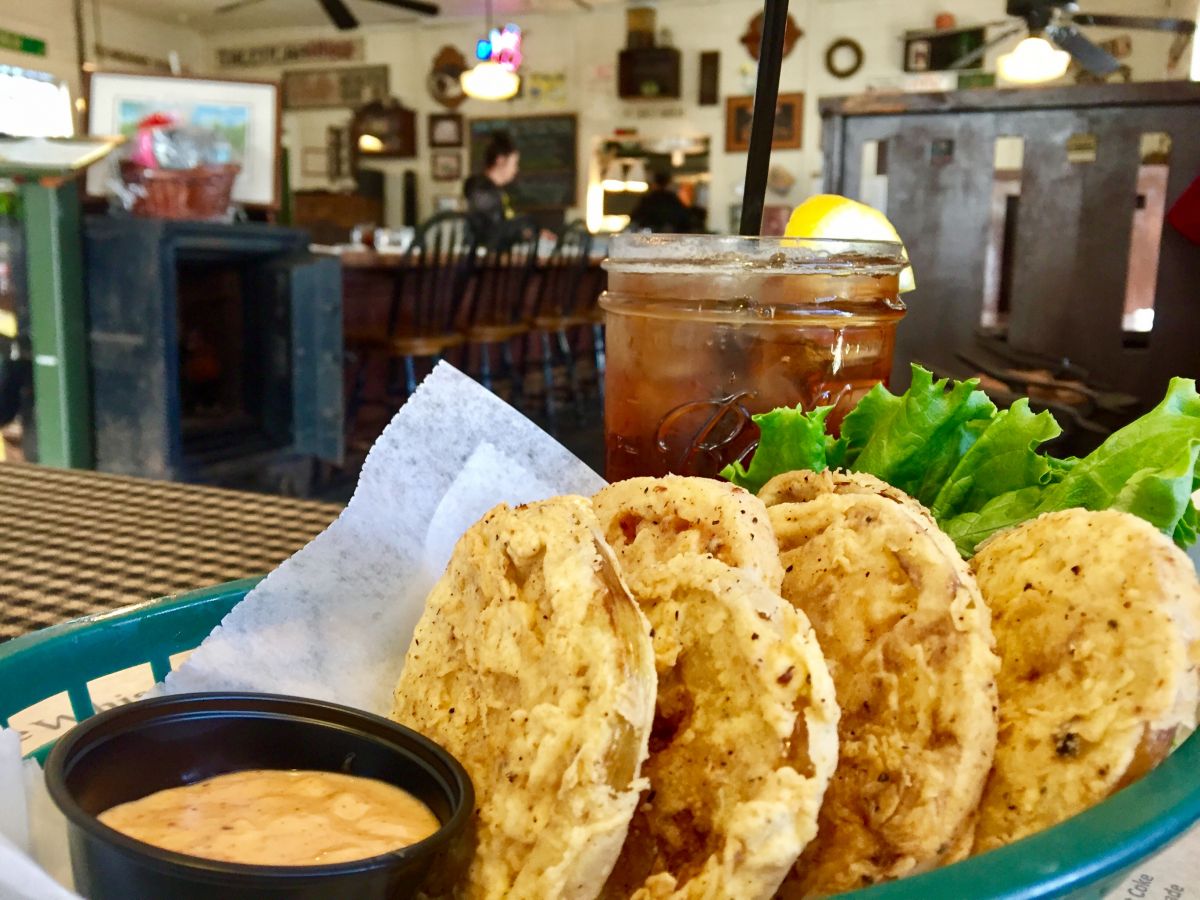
{"x":122,"y":29}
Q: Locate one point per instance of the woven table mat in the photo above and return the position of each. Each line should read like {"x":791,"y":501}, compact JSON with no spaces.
{"x":73,"y":542}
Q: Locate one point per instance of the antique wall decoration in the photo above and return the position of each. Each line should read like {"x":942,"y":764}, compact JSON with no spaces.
{"x":447,"y":165}
{"x":445,"y":130}
{"x":789,"y":123}
{"x":338,"y":153}
{"x":314,"y":162}
{"x":330,"y":88}
{"x":843,"y":58}
{"x":546,"y":87}
{"x":443,"y":80}
{"x":384,"y":129}
{"x":753,"y":36}
{"x":286,"y":53}
{"x":710,"y":75}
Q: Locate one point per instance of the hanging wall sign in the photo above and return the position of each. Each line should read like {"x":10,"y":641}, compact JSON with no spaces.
{"x":291,"y":52}
{"x":22,"y":43}
{"x":330,"y":88}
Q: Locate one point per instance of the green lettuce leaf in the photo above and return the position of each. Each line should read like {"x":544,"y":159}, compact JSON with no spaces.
{"x":1002,"y":460}
{"x":1147,"y":468}
{"x":979,"y":470}
{"x":915,"y":440}
{"x":791,"y":439}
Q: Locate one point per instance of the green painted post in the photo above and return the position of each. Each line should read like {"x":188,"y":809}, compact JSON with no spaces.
{"x":57,"y":327}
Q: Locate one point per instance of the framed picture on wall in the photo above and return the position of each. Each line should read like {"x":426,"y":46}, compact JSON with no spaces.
{"x":789,"y":123}
{"x":445,"y":130}
{"x":314,"y":162}
{"x":243,"y":114}
{"x":331,"y":88}
{"x":447,"y":165}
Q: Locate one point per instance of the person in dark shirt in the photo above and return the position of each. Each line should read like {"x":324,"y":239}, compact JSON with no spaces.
{"x":487,"y":201}
{"x":661,"y":209}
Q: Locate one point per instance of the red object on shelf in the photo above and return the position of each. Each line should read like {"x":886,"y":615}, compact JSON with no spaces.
{"x":1184,"y":214}
{"x":944,"y":21}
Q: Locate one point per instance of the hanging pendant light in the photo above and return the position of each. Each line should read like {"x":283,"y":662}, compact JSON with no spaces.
{"x":1032,"y":61}
{"x":635,"y":179}
{"x":488,"y":79}
{"x":614,"y":176}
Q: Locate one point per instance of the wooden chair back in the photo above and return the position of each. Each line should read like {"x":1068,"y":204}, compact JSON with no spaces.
{"x":563,"y":273}
{"x":430,"y":291}
{"x":503,"y":279}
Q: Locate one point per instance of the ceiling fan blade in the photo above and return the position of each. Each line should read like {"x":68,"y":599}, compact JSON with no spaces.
{"x":236,"y":5}
{"x":1143,"y":23}
{"x":1087,"y":54}
{"x":965,"y":62}
{"x":417,"y":6}
{"x":339,"y":14}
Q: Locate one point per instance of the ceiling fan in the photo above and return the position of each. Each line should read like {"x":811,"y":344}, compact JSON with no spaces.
{"x":340,"y":14}
{"x":1058,"y":21}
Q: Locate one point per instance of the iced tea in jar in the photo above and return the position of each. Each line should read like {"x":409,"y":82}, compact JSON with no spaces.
{"x":704,"y":331}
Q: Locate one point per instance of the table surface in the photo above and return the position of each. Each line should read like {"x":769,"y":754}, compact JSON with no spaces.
{"x":74,"y":543}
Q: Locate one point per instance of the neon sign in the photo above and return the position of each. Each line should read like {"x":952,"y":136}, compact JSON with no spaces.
{"x":502,"y":46}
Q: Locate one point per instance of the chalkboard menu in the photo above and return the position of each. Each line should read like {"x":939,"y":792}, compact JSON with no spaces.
{"x":547,"y":180}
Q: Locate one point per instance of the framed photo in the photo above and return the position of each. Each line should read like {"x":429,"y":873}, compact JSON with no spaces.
{"x":314,"y":162}
{"x":351,"y":87}
{"x":244,"y":113}
{"x":445,"y":130}
{"x":447,"y":165}
{"x":789,"y":123}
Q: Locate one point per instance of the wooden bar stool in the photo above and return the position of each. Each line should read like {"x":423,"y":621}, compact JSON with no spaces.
{"x":427,"y":297}
{"x":559,"y":310}
{"x":496,"y":305}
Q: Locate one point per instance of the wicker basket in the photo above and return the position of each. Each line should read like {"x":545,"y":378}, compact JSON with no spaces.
{"x":200,"y":193}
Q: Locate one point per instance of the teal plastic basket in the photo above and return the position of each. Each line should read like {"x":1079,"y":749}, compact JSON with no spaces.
{"x":66,"y":657}
{"x":1082,"y":858}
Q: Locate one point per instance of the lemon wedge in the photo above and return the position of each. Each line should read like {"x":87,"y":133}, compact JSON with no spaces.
{"x":834,"y":216}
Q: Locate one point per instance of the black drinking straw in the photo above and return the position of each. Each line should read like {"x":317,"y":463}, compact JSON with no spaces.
{"x":762,"y":125}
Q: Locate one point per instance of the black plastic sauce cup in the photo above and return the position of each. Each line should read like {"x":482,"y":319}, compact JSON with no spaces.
{"x":131,"y":751}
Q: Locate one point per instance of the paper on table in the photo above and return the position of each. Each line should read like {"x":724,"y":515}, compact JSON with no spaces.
{"x":362,"y":582}
{"x":333,"y":621}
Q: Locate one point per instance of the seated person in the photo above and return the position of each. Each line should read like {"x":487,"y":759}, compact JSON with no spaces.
{"x":488,"y":204}
{"x":661,"y":209}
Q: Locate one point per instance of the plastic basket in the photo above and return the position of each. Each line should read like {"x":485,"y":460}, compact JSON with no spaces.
{"x":66,"y":657}
{"x":1082,"y":858}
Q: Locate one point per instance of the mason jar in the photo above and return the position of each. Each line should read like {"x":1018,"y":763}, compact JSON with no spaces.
{"x":703,"y":331}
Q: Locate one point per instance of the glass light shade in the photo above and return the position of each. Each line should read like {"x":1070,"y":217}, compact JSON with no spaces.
{"x":614,"y":176}
{"x":635,"y":180}
{"x":1032,"y":61}
{"x":369,"y":143}
{"x":490,"y":81}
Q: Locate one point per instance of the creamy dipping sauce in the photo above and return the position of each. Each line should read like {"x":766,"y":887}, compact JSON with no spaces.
{"x":272,"y":817}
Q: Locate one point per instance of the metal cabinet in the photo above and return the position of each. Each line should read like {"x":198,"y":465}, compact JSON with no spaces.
{"x":216,"y":350}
